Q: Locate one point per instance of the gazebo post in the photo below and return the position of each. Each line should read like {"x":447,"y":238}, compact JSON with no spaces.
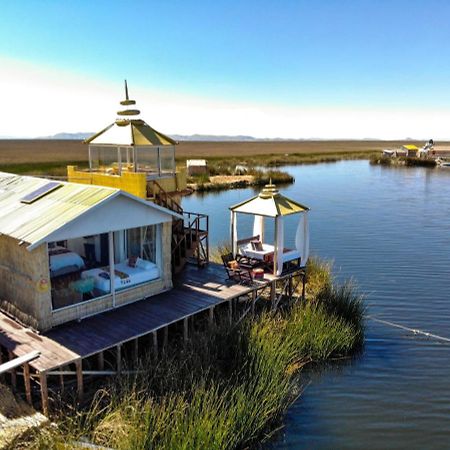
{"x":275,"y":246}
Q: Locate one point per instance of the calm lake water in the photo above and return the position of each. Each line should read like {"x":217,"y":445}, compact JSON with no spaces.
{"x":389,"y":229}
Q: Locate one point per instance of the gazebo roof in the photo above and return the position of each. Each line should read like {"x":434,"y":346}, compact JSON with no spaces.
{"x":129,"y":131}
{"x":269,"y":203}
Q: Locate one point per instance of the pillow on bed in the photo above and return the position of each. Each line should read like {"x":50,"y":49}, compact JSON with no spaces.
{"x":257,"y":246}
{"x":144,"y":264}
{"x":132,"y":261}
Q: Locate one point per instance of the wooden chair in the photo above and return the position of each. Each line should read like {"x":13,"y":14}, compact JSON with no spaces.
{"x":240,"y":274}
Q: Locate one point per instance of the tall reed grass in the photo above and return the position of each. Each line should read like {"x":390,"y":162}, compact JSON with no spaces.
{"x":229,"y":387}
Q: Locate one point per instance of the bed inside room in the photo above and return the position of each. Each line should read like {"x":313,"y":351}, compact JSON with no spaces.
{"x":80,"y":268}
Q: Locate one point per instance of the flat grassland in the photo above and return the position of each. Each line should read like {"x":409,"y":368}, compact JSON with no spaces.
{"x":40,"y":156}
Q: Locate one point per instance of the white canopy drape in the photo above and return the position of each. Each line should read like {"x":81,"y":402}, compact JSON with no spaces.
{"x":258,"y":227}
{"x":279,"y":244}
{"x":302,"y":238}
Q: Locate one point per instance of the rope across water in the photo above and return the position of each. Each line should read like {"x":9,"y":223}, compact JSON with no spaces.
{"x":412,"y":330}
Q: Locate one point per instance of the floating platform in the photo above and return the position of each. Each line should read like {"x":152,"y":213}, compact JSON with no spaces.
{"x":63,"y":350}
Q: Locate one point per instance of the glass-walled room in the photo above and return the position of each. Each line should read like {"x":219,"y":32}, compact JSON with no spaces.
{"x":90,"y":267}
{"x":115,"y":160}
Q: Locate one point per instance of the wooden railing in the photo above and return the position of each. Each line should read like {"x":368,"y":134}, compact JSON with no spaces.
{"x":189,"y":234}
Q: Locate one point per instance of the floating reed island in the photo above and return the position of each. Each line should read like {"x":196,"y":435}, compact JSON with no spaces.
{"x":116,"y":322}
{"x":224,"y":388}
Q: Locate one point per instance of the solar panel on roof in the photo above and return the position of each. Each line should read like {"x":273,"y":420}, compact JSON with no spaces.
{"x":40,"y":192}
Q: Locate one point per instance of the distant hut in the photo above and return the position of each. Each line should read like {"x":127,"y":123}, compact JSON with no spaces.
{"x":196,"y":167}
{"x":411,"y":151}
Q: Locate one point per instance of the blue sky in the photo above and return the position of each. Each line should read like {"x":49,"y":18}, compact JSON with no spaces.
{"x":390,"y":56}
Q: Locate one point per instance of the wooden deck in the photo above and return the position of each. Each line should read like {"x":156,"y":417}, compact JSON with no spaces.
{"x":196,"y":290}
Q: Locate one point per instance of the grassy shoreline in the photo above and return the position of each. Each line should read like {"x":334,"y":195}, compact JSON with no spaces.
{"x":229,"y":387}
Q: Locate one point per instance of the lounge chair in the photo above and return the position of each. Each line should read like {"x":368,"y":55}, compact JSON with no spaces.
{"x":235,"y":271}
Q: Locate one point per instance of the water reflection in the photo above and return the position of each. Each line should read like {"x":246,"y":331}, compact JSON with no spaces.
{"x":387,"y":228}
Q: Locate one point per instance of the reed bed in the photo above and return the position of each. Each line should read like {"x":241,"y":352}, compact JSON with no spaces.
{"x":228,"y":388}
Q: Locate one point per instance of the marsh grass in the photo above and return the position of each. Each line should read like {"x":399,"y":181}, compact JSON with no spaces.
{"x":228,"y":388}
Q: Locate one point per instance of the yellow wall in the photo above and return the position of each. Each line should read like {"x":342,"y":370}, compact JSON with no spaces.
{"x":133,"y":182}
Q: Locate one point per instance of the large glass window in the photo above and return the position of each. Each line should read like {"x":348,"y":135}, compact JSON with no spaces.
{"x":167,"y":158}
{"x":127,"y":159}
{"x":103,"y":158}
{"x":142,"y":243}
{"x":147,"y":159}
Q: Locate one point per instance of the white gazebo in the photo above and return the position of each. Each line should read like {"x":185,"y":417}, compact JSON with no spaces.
{"x":271,"y":204}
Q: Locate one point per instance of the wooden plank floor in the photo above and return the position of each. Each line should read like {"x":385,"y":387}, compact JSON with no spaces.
{"x":195,"y":290}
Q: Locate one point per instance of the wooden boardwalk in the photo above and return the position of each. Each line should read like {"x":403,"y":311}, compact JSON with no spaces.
{"x":196,"y":290}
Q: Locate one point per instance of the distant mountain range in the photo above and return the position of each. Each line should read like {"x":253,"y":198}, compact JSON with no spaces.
{"x":177,"y":137}
{"x":192,"y":137}
{"x":204,"y":137}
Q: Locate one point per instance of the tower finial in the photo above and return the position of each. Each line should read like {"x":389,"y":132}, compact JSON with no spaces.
{"x":126,"y":90}
{"x":128,"y":102}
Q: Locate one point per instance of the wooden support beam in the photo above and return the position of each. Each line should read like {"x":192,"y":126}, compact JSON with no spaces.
{"x":136,"y":350}
{"x":186,"y":329}
{"x":119,"y":358}
{"x":230,"y":311}
{"x":101,"y":360}
{"x":13,"y":371}
{"x":165,"y":337}
{"x":44,"y":392}
{"x":273,"y":292}
{"x":155,"y":343}
{"x":100,"y":373}
{"x":79,"y":370}
{"x":303,"y":286}
{"x":211,"y":316}
{"x":27,"y":382}
{"x":253,"y":300}
{"x":61,"y":380}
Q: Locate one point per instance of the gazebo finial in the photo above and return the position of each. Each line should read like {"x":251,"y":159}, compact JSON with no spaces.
{"x":128,"y":102}
{"x":126,"y":90}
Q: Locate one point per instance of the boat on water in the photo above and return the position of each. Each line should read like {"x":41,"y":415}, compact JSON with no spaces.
{"x":442,"y":162}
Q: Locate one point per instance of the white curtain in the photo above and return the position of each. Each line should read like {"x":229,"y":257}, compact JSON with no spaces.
{"x":279,"y":245}
{"x":233,"y":232}
{"x":258,"y":227}
{"x":302,"y":238}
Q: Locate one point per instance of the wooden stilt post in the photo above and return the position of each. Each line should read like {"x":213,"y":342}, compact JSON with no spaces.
{"x":155,"y":343}
{"x":136,"y":350}
{"x":303,"y":286}
{"x":1,"y":362}
{"x":230,"y":311}
{"x":44,"y":392}
{"x":119,"y":358}
{"x":165,"y":337}
{"x":13,"y":372}
{"x":254,"y":295}
{"x":211,"y":316}
{"x":79,"y":369}
{"x":27,"y":382}
{"x":273,"y":292}
{"x":186,"y":329}
{"x":101,"y":361}
{"x":61,"y":380}
{"x":290,"y":288}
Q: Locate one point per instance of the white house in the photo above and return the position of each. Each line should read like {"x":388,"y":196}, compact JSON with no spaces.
{"x":62,"y":243}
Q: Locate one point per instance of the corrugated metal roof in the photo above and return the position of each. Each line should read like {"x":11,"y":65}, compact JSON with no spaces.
{"x":33,"y":222}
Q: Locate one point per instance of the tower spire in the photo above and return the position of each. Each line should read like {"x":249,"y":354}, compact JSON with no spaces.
{"x":126,"y":90}
{"x":128,"y":102}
